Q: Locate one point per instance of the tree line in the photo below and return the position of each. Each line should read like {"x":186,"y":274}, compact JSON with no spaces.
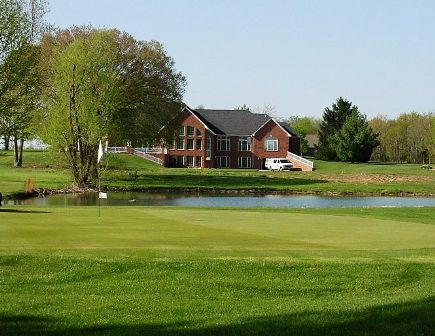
{"x":345,"y":134}
{"x":74,"y":87}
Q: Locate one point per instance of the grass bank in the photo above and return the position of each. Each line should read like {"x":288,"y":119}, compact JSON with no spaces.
{"x":121,"y":172}
{"x":179,"y":271}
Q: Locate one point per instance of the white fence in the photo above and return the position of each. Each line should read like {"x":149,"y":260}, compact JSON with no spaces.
{"x":154,"y":150}
{"x":147,"y":156}
{"x":116,"y":149}
{"x":300,"y":159}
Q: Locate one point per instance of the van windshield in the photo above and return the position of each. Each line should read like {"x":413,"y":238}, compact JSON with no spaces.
{"x":285,"y":161}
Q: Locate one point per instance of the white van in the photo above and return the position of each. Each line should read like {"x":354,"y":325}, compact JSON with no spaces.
{"x":278,"y":164}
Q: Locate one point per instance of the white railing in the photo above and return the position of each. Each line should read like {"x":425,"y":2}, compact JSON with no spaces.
{"x":154,"y":150}
{"x":116,"y":149}
{"x":147,"y":156}
{"x":293,"y":156}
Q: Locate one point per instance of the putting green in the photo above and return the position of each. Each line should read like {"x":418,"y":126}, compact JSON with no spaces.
{"x":166,"y":228}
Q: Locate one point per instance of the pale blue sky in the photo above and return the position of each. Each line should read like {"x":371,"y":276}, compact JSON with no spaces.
{"x":296,"y":55}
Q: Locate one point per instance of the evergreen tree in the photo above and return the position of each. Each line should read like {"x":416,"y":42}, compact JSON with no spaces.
{"x":355,"y":141}
{"x":333,"y":120}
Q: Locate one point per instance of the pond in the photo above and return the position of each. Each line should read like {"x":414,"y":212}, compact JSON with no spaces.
{"x":219,"y":200}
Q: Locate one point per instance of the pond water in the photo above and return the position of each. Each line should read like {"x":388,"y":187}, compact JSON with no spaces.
{"x":219,"y":200}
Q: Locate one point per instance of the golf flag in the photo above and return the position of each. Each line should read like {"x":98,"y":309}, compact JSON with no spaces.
{"x":100,"y":152}
{"x":102,"y":195}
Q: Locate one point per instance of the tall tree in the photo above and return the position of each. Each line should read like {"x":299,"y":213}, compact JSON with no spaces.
{"x":345,"y":134}
{"x":333,"y":121}
{"x":21,"y":23}
{"x":105,"y":84}
{"x":151,"y":88}
{"x":82,"y":95}
{"x":355,"y":140}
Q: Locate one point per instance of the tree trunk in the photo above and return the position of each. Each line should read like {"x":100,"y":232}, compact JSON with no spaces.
{"x":20,"y":153}
{"x":16,"y":152}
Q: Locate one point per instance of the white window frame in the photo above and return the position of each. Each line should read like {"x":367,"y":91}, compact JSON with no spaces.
{"x":187,"y":144}
{"x":187,"y":131}
{"x":275,"y":147}
{"x":245,"y":162}
{"x":181,"y":131}
{"x":190,"y":164}
{"x":183,"y":160}
{"x":200,"y":161}
{"x":223,"y":143}
{"x":200,"y":144}
{"x":178,"y":142}
{"x":244,"y":144}
{"x":219,"y":160}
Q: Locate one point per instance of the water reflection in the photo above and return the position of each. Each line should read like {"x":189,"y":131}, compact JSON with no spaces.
{"x":203,"y":200}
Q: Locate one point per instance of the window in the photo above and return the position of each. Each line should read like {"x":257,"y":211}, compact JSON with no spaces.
{"x":271,"y":145}
{"x":179,"y":161}
{"x":222,"y":161}
{"x":189,"y":144}
{"x":189,"y":160}
{"x":223,"y":143}
{"x":244,"y":143}
{"x":198,"y":133}
{"x":198,"y":161}
{"x":207,"y":147}
{"x":245,"y":162}
{"x":198,"y":144}
{"x":190,"y":131}
{"x":172,"y":144}
{"x":180,"y":144}
{"x":173,"y":161}
{"x":181,"y":130}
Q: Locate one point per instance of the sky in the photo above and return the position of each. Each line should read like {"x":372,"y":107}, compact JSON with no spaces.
{"x":298,"y":56}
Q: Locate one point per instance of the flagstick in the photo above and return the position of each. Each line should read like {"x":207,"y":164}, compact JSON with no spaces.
{"x":99,"y":190}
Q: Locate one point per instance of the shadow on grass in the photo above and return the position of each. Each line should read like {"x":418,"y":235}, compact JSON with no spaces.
{"x":409,"y":318}
{"x":23,"y":211}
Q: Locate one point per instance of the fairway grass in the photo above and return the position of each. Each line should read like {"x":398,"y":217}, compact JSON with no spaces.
{"x":191,"y":271}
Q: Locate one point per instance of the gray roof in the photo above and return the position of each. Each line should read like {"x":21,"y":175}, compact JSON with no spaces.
{"x":232,"y":122}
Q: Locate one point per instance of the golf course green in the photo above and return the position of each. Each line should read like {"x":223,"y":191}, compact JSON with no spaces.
{"x":191,"y":271}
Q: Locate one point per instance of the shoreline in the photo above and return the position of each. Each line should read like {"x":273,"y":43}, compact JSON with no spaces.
{"x":43,"y":192}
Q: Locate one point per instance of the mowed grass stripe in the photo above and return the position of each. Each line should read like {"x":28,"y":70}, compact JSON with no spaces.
{"x":195,"y":229}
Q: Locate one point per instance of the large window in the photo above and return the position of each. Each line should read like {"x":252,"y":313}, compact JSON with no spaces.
{"x":223,"y":143}
{"x":190,"y":131}
{"x":198,"y":161}
{"x":189,"y":143}
{"x":198,"y":133}
{"x":244,"y":143}
{"x":222,"y":161}
{"x":245,"y":162}
{"x":189,"y":160}
{"x":271,"y":145}
{"x":207,"y":147}
{"x":180,"y":144}
{"x":198,"y":144}
{"x":179,"y":161}
{"x":181,"y":131}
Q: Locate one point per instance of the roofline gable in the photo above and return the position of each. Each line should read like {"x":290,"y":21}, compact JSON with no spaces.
{"x":193,"y":113}
{"x":277,"y":123}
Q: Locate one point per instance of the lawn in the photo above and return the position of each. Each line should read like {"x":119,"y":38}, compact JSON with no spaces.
{"x":121,"y":171}
{"x":45,"y":169}
{"x":190,"y":271}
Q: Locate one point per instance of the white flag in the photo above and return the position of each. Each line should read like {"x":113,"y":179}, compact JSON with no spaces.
{"x":102,"y":195}
{"x":100,"y":152}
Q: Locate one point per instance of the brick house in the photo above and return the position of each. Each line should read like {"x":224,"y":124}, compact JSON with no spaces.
{"x":227,"y":139}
